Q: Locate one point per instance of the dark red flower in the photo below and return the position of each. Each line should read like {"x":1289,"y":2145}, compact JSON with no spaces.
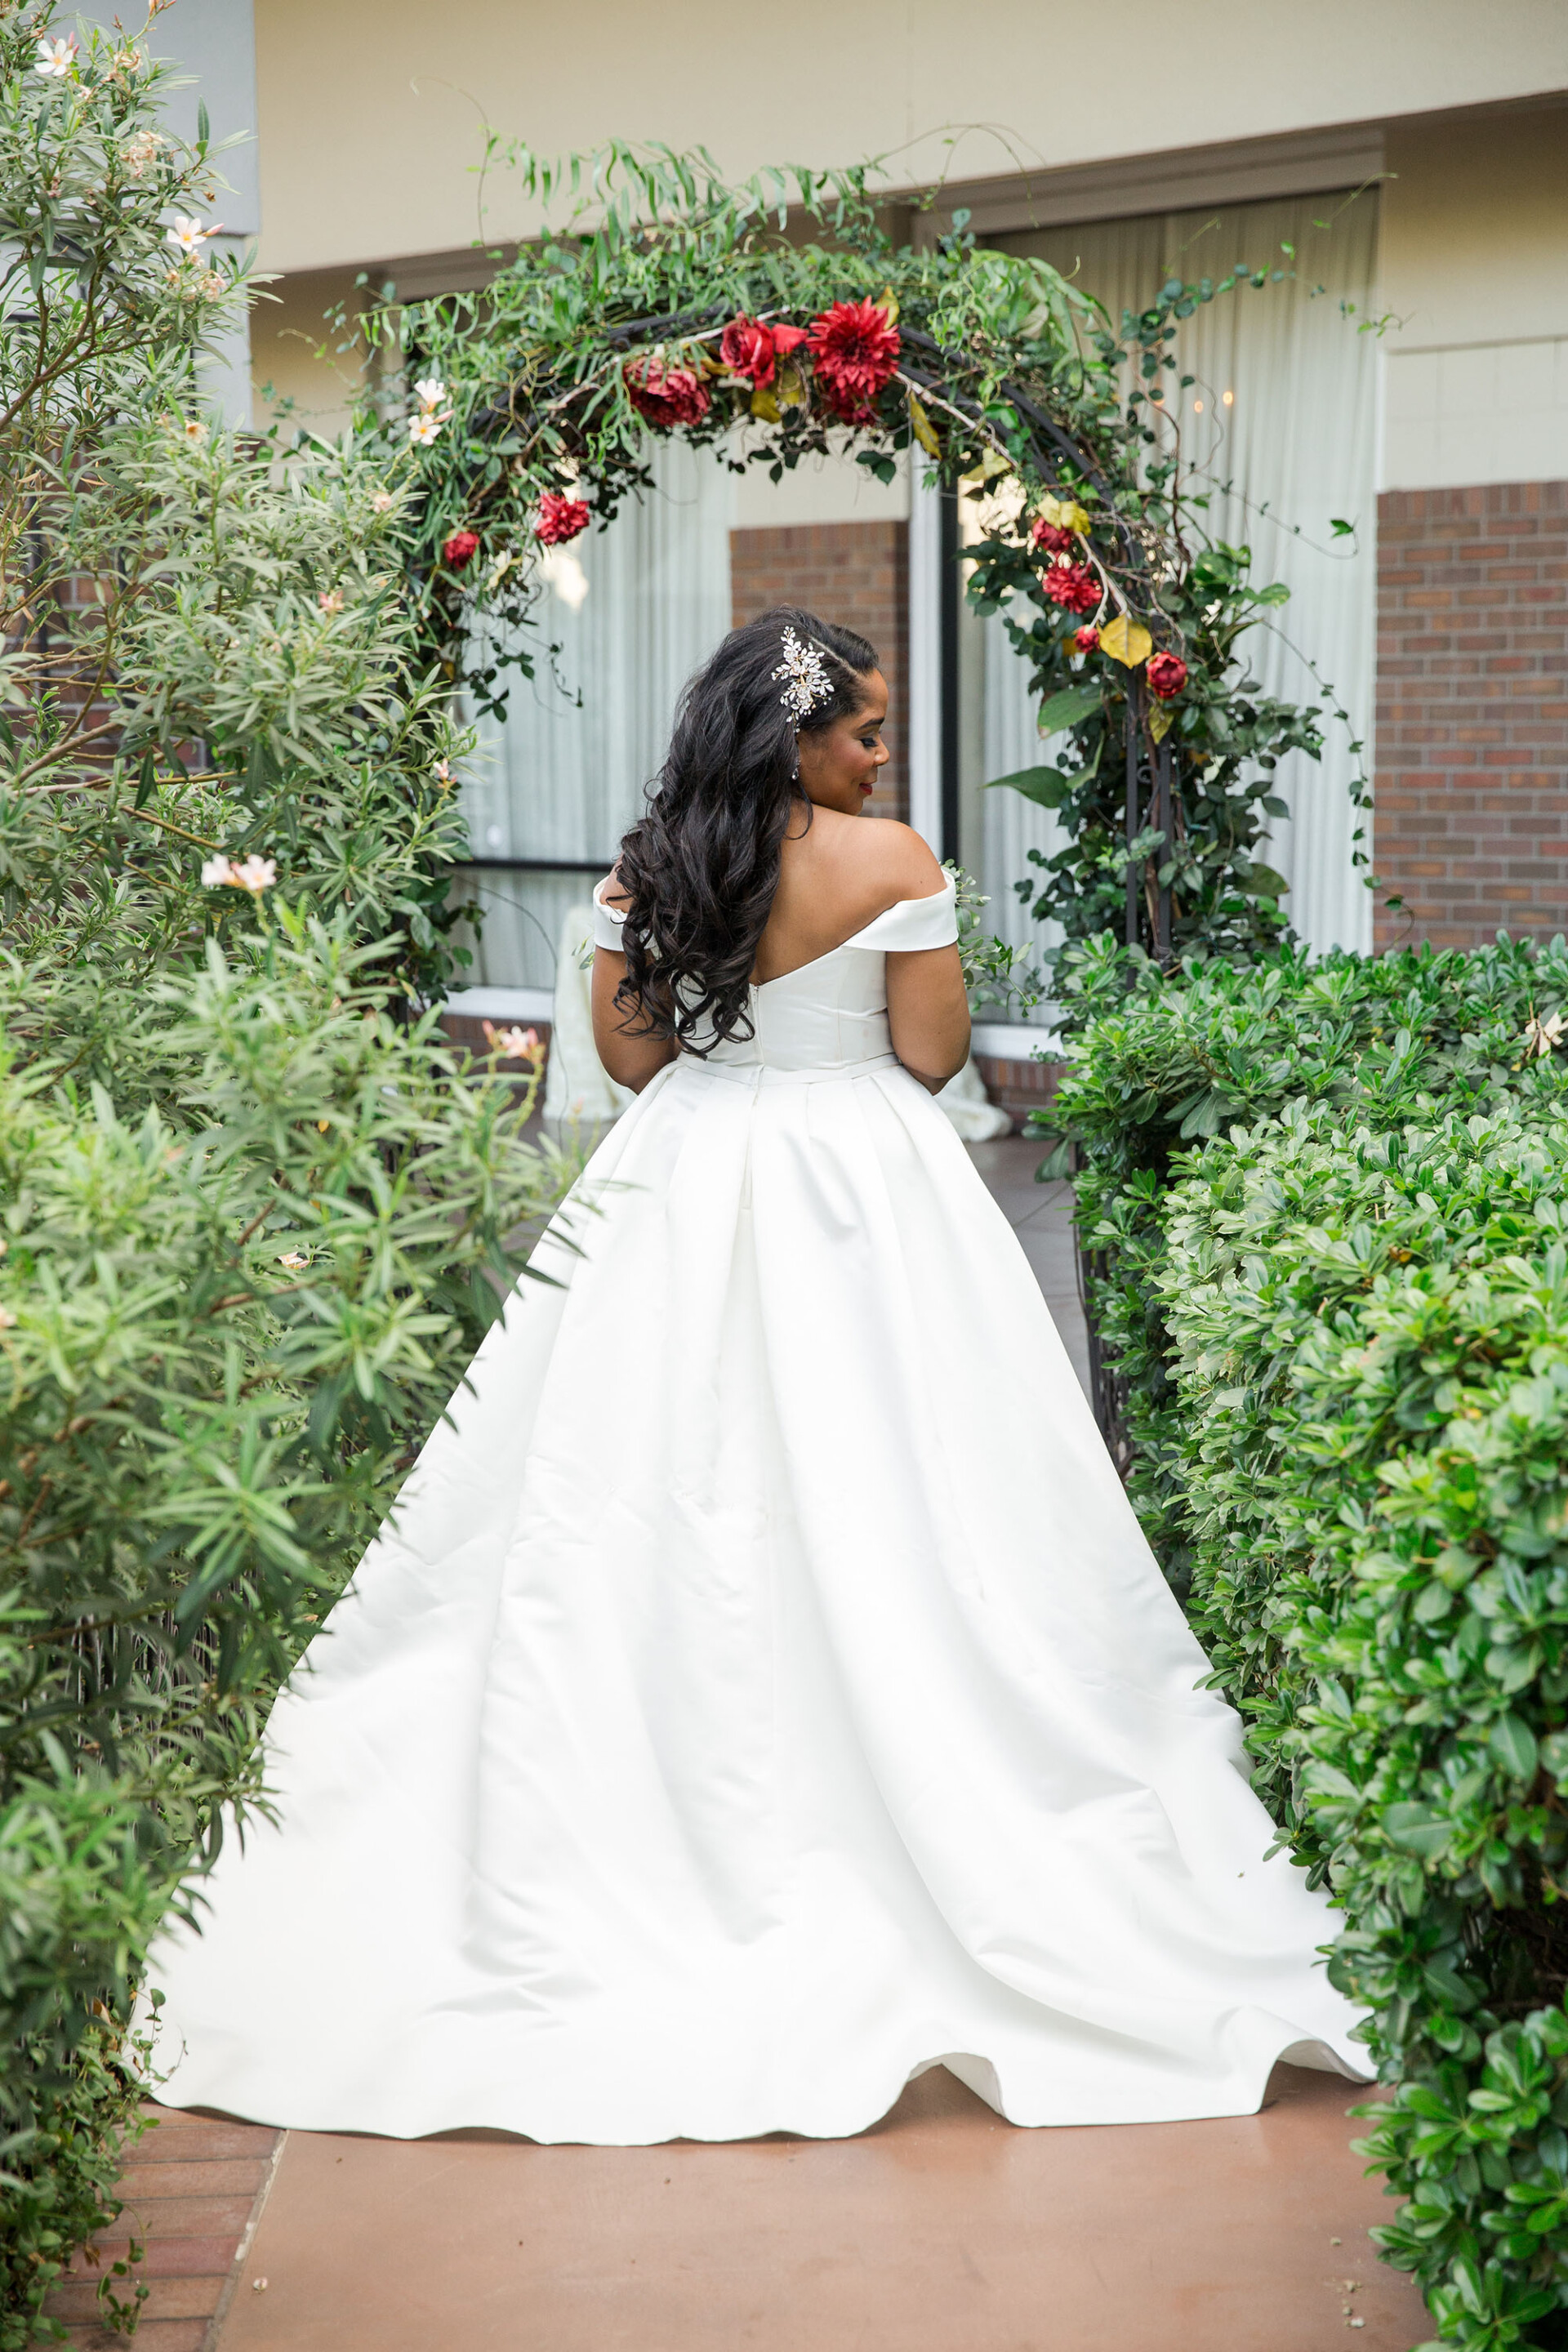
{"x":460,"y":549}
{"x":665,"y":396}
{"x":1050,"y":539}
{"x":559,"y":518}
{"x":1087,"y":640}
{"x":750,"y":349}
{"x":1072,"y":584}
{"x":1166,"y":674}
{"x":854,"y":349}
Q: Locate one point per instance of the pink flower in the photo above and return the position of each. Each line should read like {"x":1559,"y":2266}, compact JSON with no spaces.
{"x":514,"y":1044}
{"x":1086,"y":640}
{"x":1073,"y":585}
{"x":1166,"y":674}
{"x":665,"y":396}
{"x":460,"y":549}
{"x":330,"y":599}
{"x":854,"y":350}
{"x":560,"y":519}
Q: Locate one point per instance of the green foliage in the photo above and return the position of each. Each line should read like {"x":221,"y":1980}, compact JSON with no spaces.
{"x":254,"y":1217}
{"x":1344,"y":1325}
{"x":1006,"y":376}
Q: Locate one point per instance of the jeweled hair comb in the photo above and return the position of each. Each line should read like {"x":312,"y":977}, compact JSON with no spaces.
{"x":806,"y":672}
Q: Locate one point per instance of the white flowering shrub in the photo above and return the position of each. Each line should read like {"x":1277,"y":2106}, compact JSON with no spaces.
{"x":254,"y":1217}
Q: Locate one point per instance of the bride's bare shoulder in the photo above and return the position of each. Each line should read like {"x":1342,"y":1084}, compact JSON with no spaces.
{"x":878,"y":858}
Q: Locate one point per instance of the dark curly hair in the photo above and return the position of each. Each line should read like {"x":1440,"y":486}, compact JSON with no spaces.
{"x":701,"y":867}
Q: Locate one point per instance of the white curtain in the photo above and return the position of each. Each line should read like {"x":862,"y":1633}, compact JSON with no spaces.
{"x":1290,"y":451}
{"x":635,"y":607}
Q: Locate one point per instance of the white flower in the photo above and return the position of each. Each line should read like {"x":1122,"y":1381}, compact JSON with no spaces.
{"x":443,"y":772}
{"x":194,"y":429}
{"x":294,"y":1260}
{"x":382,"y":502}
{"x":190,"y":236}
{"x":7,"y":1320}
{"x":430,"y":392}
{"x":514,"y":1044}
{"x":424,"y":428}
{"x":1540,"y":1036}
{"x":56,"y":59}
{"x":255,"y":874}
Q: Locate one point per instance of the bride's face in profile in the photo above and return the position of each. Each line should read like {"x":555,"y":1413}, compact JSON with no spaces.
{"x":838,"y":764}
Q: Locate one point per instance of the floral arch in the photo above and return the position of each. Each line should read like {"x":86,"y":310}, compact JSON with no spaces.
{"x":780,"y":318}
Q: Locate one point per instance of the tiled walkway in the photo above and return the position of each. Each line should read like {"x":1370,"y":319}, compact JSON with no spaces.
{"x":940,"y":2229}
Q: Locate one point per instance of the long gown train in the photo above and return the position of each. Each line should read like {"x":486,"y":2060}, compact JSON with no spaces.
{"x":762,"y":1691}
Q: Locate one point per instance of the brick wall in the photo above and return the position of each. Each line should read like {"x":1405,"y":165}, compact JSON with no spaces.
{"x":1471,"y":822}
{"x":853,"y":572}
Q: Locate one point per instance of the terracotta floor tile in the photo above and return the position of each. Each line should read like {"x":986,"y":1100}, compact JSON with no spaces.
{"x":185,"y":2217}
{"x":166,"y":2257}
{"x":943,"y":2229}
{"x":177,"y":2298}
{"x":145,"y":2185}
{"x":203,"y":2143}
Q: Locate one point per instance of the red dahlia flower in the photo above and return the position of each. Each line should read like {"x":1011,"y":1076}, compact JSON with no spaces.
{"x":665,"y":396}
{"x":1050,"y":539}
{"x":750,"y":349}
{"x":1087,"y":640}
{"x":853,"y":349}
{"x":1166,"y":674}
{"x":559,"y":518}
{"x":460,"y":549}
{"x":1074,"y":585}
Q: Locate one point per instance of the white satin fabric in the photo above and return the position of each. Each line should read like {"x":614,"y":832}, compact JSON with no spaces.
{"x":764,"y":1691}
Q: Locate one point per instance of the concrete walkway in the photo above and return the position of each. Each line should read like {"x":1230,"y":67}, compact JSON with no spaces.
{"x":942,"y":2229}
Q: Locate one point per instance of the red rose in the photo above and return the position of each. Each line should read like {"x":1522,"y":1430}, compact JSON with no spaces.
{"x":1074,"y":585}
{"x":747,"y":348}
{"x":854,"y":349}
{"x":750,"y":349}
{"x":664,"y":395}
{"x":1050,"y":539}
{"x":559,"y":518}
{"x":460,"y":549}
{"x":1086,"y":640}
{"x":1166,"y":674}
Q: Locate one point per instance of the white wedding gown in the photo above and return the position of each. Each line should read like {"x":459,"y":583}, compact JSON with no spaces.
{"x":762,"y":1691}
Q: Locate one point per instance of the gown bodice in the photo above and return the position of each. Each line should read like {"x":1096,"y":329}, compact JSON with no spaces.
{"x":829,"y":1015}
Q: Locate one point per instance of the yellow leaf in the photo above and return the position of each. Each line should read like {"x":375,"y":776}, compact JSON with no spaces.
{"x":1126,"y":640}
{"x":1160,"y":718}
{"x":889,"y":304}
{"x":1065,"y":513}
{"x":924,"y":429}
{"x":765,"y":405}
{"x":791,"y":386}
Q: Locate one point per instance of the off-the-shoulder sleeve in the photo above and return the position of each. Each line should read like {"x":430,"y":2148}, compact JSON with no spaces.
{"x":607,"y":922}
{"x":915,"y":923}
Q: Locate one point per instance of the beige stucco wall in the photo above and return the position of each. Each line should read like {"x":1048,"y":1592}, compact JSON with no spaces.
{"x":372,"y":111}
{"x":1473,"y":267}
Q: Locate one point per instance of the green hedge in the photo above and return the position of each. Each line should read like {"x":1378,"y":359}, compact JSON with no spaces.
{"x":1345,"y":1322}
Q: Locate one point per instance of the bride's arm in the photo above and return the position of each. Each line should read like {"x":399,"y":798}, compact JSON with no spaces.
{"x":928,"y":1013}
{"x":631,"y":1059}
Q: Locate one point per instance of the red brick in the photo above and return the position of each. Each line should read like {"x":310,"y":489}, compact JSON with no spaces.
{"x":1472,"y":726}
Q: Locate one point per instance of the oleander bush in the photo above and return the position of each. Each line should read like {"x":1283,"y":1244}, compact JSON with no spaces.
{"x":1328,"y":1206}
{"x":254,"y":1216}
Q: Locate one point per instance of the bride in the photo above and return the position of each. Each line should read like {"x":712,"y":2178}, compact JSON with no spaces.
{"x":762,"y":1691}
